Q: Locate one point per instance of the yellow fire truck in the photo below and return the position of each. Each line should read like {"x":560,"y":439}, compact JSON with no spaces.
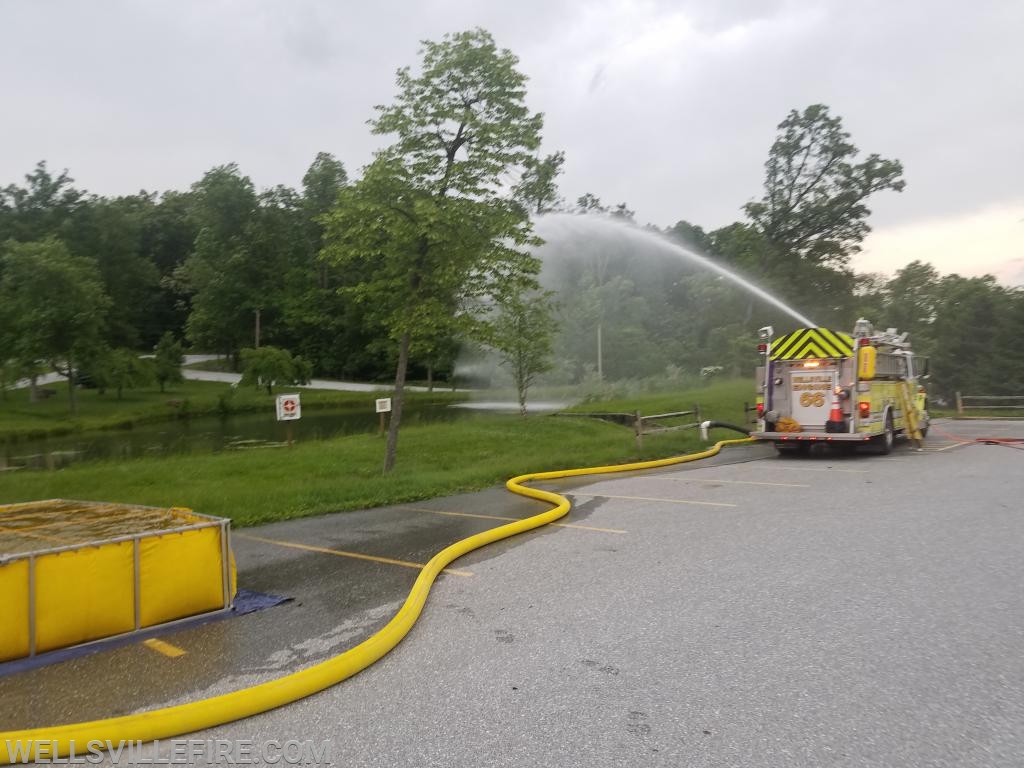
{"x":817,"y":385}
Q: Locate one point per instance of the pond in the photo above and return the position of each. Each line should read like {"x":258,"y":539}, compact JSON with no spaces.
{"x":207,"y":434}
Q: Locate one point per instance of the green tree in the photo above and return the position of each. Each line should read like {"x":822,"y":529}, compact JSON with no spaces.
{"x":430,"y":230}
{"x":56,"y":304}
{"x":320,"y":186}
{"x":268,"y":366}
{"x":167,"y":361}
{"x":523,"y":334}
{"x":814,"y":206}
{"x":538,"y":186}
{"x":589,"y":203}
{"x":121,"y":369}
{"x":110,"y":231}
{"x":912,"y":298}
{"x":689,"y":236}
{"x":221,"y":274}
{"x":41,"y":208}
{"x":320,"y":324}
{"x":168,"y":237}
{"x":9,"y":365}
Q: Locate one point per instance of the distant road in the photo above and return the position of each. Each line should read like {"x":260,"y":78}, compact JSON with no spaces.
{"x":233,"y":378}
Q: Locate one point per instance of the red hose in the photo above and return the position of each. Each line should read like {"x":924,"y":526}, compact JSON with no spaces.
{"x":1009,"y":442}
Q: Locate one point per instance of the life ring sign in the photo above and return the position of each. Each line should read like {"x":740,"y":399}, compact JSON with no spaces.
{"x":289,"y":407}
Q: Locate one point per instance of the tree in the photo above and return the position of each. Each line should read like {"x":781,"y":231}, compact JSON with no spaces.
{"x":9,"y":365}
{"x":430,"y":231}
{"x":168,"y":237}
{"x":814,"y":206}
{"x":57,"y":305}
{"x":121,"y":369}
{"x":39,"y":209}
{"x":589,"y":203}
{"x":538,"y":186}
{"x":913,"y":297}
{"x":167,"y":361}
{"x":318,"y":322}
{"x":320,"y":186}
{"x":228,"y":273}
{"x":110,"y":231}
{"x":267,"y":366}
{"x":523,"y":334}
{"x":689,"y":236}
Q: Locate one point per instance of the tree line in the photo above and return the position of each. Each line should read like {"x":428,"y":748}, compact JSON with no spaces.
{"x":433,"y":246}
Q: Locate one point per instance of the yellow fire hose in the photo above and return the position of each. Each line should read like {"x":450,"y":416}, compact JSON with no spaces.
{"x":217,"y":710}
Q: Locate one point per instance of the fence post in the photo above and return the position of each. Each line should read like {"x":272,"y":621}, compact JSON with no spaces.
{"x":696,"y":412}
{"x":638,"y":427}
{"x":959,"y":405}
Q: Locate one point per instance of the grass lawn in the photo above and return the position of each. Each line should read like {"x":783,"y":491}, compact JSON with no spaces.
{"x":312,"y":478}
{"x":722,"y":401}
{"x":20,"y":419}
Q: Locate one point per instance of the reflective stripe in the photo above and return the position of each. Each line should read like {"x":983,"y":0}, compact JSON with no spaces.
{"x":812,"y":342}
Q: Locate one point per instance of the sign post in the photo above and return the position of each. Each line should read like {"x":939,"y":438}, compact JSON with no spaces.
{"x":383,"y":408}
{"x":289,"y":409}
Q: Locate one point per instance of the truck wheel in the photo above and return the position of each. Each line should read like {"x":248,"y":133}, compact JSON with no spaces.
{"x":888,"y":437}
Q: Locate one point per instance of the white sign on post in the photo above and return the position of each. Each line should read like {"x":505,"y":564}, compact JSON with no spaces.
{"x":384,"y":405}
{"x":288,"y":407}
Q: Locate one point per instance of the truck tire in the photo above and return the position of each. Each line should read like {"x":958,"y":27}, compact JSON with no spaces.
{"x":888,"y":437}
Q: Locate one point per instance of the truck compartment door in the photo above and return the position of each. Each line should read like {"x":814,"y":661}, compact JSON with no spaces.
{"x":811,"y":395}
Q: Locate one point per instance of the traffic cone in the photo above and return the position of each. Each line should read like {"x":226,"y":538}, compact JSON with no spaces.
{"x":836,"y":422}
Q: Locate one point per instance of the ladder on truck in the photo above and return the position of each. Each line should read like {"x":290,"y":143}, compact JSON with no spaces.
{"x":910,"y":415}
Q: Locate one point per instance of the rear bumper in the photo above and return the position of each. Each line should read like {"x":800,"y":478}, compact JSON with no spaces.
{"x":812,"y":437}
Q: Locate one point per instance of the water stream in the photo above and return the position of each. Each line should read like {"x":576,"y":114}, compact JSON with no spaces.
{"x":562,"y":226}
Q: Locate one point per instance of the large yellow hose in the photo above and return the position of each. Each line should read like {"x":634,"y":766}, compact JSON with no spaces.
{"x":217,"y":710}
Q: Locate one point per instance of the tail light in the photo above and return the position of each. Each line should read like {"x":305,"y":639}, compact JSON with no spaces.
{"x":863,"y":342}
{"x":760,"y":409}
{"x":762,"y":348}
{"x":864,"y":408}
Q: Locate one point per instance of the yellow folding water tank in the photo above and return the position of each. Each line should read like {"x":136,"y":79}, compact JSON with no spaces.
{"x":73,"y":572}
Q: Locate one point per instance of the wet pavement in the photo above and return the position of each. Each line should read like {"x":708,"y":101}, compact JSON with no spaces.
{"x":747,"y":610}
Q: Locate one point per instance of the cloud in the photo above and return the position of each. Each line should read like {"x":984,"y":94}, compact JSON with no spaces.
{"x":668,"y":105}
{"x":988,"y":241}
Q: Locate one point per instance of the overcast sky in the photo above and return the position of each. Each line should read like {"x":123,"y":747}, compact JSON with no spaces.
{"x":670,"y":107}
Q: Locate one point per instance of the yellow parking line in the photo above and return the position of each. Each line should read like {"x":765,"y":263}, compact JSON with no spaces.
{"x":172,"y":651}
{"x":651,"y":498}
{"x":954,"y":445}
{"x":497,"y":517}
{"x":731,"y":482}
{"x":343,"y":553}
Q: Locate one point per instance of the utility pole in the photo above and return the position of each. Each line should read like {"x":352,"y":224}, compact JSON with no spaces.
{"x":257,"y":313}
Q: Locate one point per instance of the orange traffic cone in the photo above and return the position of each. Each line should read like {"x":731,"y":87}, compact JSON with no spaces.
{"x":836,"y":422}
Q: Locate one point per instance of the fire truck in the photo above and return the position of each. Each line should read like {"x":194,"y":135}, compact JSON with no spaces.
{"x":816,"y":385}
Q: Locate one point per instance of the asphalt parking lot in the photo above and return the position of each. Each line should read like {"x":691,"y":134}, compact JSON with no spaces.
{"x":747,"y":610}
